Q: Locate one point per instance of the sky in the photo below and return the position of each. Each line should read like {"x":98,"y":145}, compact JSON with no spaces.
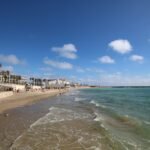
{"x":99,"y":42}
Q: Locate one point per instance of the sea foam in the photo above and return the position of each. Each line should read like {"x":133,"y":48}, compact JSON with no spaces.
{"x":77,"y":99}
{"x":97,"y":104}
{"x":59,"y":114}
{"x":51,"y":132}
{"x":147,"y":122}
{"x":98,"y":117}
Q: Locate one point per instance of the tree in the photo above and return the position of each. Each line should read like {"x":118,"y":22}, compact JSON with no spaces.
{"x":5,"y":78}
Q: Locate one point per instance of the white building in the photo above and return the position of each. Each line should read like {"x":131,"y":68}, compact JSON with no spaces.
{"x":56,"y":83}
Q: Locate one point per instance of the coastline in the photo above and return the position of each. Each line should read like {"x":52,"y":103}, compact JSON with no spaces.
{"x":14,"y":100}
{"x":25,"y":98}
{"x":16,"y":118}
{"x":36,"y":125}
{"x":19,"y":111}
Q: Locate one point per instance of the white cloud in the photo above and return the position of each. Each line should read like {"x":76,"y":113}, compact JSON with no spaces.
{"x":67,"y":51}
{"x":88,"y":70}
{"x":121,"y":46}
{"x":9,"y":68}
{"x":137,"y":58}
{"x":10,"y":59}
{"x":106,"y":60}
{"x":57,"y":64}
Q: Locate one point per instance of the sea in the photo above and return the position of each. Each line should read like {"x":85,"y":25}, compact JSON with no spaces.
{"x":92,"y":119}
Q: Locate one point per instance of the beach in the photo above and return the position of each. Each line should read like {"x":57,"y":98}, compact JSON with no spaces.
{"x":95,"y":119}
{"x":19,"y":111}
{"x":24,"y":98}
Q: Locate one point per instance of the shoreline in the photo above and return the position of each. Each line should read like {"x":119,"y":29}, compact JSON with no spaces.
{"x":26,"y":98}
{"x":19,"y":116}
{"x":17,"y":119}
{"x":37,"y":125}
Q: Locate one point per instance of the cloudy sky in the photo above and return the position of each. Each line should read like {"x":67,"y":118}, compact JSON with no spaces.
{"x":104,"y":42}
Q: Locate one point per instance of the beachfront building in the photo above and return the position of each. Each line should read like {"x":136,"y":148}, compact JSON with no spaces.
{"x":35,"y":81}
{"x":67,"y":84}
{"x":52,"y":84}
{"x":49,"y":83}
{"x":56,"y":83}
{"x":11,"y":82}
{"x":7,"y":77}
{"x":16,"y":81}
{"x":4,"y":76}
{"x":75,"y":85}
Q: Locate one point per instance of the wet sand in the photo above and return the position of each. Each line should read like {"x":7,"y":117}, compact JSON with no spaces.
{"x":19,"y":119}
{"x":24,"y":98}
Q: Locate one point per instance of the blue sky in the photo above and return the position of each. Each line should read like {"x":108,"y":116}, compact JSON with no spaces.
{"x":103,"y":42}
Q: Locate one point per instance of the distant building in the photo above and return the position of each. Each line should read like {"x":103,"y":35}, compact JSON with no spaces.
{"x":56,"y":83}
{"x":36,"y":81}
{"x":31,"y":83}
{"x":6,"y":77}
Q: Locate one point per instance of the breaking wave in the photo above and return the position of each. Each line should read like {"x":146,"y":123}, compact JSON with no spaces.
{"x":97,"y":104}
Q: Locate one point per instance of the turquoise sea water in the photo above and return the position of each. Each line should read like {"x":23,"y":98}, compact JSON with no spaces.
{"x":125,"y":112}
{"x":92,"y":119}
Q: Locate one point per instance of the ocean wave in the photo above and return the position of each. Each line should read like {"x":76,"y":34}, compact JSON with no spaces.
{"x":60,"y":114}
{"x":98,"y":117}
{"x":147,"y":122}
{"x":70,"y":134}
{"x":77,"y":99}
{"x":94,"y":148}
{"x":97,"y":104}
{"x":74,"y":92}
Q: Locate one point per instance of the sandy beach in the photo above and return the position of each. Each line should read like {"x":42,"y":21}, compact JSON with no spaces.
{"x":19,"y":111}
{"x":24,"y":98}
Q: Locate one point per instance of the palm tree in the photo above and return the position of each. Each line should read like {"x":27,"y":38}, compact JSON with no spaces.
{"x":5,"y":78}
{"x":0,"y":66}
{"x":7,"y":74}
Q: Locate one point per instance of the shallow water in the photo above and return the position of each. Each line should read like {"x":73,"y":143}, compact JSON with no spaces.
{"x":92,"y":119}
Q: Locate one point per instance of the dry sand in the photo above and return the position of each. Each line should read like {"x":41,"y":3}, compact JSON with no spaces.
{"x":24,"y":98}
